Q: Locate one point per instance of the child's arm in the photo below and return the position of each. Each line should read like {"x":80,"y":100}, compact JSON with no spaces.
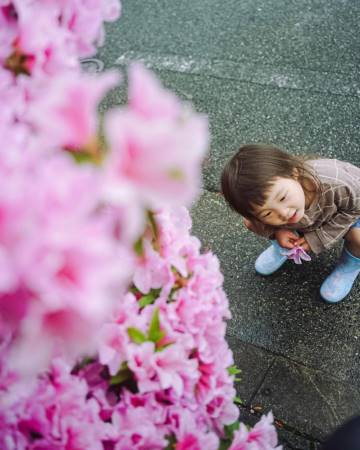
{"x":285,"y":238}
{"x":346,"y":198}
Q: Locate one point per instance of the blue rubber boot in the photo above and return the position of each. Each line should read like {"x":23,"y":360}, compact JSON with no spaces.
{"x":270,"y":260}
{"x":339,"y":283}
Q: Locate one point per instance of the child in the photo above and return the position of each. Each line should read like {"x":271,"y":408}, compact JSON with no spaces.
{"x":311,"y":203}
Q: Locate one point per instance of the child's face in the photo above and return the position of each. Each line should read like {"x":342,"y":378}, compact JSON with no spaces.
{"x":285,"y":203}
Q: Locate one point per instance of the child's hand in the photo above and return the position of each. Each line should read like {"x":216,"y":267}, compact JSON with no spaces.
{"x":286,"y":238}
{"x":301,"y":242}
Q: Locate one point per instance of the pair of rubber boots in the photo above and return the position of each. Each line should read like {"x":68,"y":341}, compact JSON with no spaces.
{"x":335,"y":287}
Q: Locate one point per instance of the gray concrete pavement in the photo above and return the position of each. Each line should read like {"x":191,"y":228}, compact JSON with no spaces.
{"x":283,"y":72}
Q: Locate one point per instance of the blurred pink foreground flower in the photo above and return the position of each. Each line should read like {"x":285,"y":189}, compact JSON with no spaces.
{"x":67,"y":116}
{"x":112,"y":319}
{"x":156,"y":143}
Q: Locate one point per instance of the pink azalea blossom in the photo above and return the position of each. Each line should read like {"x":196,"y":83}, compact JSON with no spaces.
{"x":261,"y":437}
{"x":41,"y":42}
{"x":136,"y":430}
{"x":148,"y":99}
{"x":160,"y":157}
{"x":111,"y":10}
{"x":190,"y":436}
{"x":54,"y":415}
{"x":151,"y":270}
{"x":49,"y":285}
{"x":84,"y":20}
{"x":176,"y":242}
{"x":156,"y":405}
{"x":8,"y":29}
{"x":172,"y":366}
{"x":113,"y":347}
{"x":66,"y":117}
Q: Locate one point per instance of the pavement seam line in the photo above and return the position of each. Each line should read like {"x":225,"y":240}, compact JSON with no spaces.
{"x":327,"y":402}
{"x":292,"y":361}
{"x":285,"y":427}
{"x":284,"y":77}
{"x":261,"y":382}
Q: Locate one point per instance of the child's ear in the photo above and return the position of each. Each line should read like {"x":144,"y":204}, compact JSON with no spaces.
{"x":295,"y":173}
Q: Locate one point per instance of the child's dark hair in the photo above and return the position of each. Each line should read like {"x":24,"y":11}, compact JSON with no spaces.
{"x":249,"y":174}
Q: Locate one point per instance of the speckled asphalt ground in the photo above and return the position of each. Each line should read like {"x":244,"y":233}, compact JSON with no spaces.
{"x":283,"y":72}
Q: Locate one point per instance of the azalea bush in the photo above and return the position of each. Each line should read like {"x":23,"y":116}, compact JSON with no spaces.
{"x":112,"y":320}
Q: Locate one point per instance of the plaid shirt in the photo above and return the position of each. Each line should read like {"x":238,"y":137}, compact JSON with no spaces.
{"x":331,"y":214}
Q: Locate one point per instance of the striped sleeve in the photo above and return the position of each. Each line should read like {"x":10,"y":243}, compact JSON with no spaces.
{"x":347,"y":201}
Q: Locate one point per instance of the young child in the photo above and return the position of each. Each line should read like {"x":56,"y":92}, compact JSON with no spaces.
{"x":309,"y":203}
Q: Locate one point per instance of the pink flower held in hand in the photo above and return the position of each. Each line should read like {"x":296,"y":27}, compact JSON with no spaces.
{"x":296,"y":254}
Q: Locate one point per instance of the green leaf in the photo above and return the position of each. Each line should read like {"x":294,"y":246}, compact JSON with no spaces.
{"x":146,"y":300}
{"x":81,"y":157}
{"x":230,"y":429}
{"x":120,"y":377}
{"x":172,"y":442}
{"x":238,"y":401}
{"x":233,"y":426}
{"x":149,"y":298}
{"x":83,"y":363}
{"x":153,"y":224}
{"x":171,"y":294}
{"x":136,"y":335}
{"x":233,"y":370}
{"x":224,"y":444}
{"x":138,"y":247}
{"x":155,"y":334}
{"x":156,"y":292}
{"x":162,"y":347}
{"x":134,"y":290}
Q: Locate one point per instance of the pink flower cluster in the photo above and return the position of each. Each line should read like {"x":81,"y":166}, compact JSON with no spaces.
{"x":96,"y":256}
{"x":160,"y":373}
{"x":67,"y":230}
